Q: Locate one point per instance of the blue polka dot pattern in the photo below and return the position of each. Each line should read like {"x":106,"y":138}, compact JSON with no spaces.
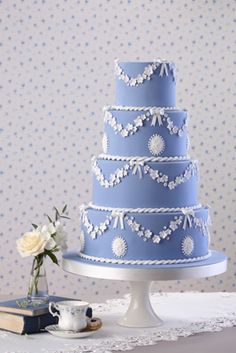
{"x":56,"y":74}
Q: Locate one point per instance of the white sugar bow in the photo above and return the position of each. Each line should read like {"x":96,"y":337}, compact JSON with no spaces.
{"x":118,"y":219}
{"x":188,"y":213}
{"x":157,"y":115}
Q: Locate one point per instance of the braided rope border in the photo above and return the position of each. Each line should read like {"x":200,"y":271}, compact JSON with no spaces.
{"x":141,"y":108}
{"x":144,"y":210}
{"x":144,"y":262}
{"x":143,"y":158}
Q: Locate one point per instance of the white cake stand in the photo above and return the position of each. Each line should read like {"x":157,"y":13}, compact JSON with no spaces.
{"x":140,"y":312}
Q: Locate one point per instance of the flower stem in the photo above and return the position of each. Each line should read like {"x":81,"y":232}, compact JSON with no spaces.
{"x":37,"y":263}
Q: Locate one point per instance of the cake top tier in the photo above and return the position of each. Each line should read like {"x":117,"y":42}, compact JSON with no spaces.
{"x":145,"y":83}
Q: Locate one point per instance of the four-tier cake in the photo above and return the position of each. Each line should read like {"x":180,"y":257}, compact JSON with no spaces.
{"x":144,"y":208}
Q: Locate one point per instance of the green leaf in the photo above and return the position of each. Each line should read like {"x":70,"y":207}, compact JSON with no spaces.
{"x":34,"y":225}
{"x":55,"y":249}
{"x":50,"y":220}
{"x":57,"y":215}
{"x":65,"y":217}
{"x":64,"y":209}
{"x":52,"y":257}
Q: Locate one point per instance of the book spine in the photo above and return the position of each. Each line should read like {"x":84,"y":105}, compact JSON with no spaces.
{"x":37,"y":323}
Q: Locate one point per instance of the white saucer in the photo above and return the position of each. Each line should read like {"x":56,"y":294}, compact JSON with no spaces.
{"x":56,"y":331}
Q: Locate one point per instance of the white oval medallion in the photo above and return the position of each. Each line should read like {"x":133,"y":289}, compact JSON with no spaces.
{"x":105,"y":143}
{"x":82,"y":241}
{"x":156,"y":144}
{"x":187,"y":245}
{"x":119,"y":247}
{"x":187,"y":143}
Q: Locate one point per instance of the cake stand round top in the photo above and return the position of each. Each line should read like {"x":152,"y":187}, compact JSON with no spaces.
{"x":214,"y":265}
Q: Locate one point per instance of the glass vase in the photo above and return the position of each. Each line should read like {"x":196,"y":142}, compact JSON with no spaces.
{"x":38,"y":286}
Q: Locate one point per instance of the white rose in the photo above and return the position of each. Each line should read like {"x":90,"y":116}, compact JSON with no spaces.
{"x":60,"y":237}
{"x":32,"y":243}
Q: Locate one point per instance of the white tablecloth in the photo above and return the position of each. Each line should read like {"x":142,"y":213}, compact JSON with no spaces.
{"x":183,"y":314}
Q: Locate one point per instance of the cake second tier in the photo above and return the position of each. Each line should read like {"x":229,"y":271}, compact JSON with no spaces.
{"x":140,"y":131}
{"x":144,"y":182}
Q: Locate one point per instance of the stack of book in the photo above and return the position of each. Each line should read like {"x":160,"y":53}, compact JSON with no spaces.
{"x":20,"y":316}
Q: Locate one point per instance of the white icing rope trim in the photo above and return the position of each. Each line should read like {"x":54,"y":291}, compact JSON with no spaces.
{"x":136,"y":108}
{"x":154,"y":115}
{"x":147,"y":73}
{"x":120,"y":218}
{"x":142,"y":159}
{"x":116,"y":177}
{"x":144,"y":262}
{"x":141,"y":210}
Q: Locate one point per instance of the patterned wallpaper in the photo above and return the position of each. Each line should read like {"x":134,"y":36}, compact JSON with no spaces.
{"x":56,"y":65}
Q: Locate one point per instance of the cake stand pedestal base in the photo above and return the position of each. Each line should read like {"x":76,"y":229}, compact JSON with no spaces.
{"x":140,"y":312}
{"x":140,"y":307}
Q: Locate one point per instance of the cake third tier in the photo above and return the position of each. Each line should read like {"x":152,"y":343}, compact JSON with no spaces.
{"x":144,"y":182}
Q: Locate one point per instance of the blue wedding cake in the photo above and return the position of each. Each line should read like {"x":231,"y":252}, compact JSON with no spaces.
{"x":144,"y":209}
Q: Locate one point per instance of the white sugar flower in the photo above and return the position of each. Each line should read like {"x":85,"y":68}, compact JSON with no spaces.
{"x":139,"y":122}
{"x":129,"y":127}
{"x":171,"y":185}
{"x":61,"y":236}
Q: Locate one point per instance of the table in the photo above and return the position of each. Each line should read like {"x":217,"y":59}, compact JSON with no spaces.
{"x":219,"y":342}
{"x":170,"y":307}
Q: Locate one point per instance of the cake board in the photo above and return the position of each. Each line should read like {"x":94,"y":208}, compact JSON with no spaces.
{"x":140,"y":312}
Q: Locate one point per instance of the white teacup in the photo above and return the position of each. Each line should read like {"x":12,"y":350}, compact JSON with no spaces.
{"x":72,"y":314}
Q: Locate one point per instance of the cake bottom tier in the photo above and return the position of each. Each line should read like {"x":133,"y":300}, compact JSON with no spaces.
{"x":144,"y":236}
